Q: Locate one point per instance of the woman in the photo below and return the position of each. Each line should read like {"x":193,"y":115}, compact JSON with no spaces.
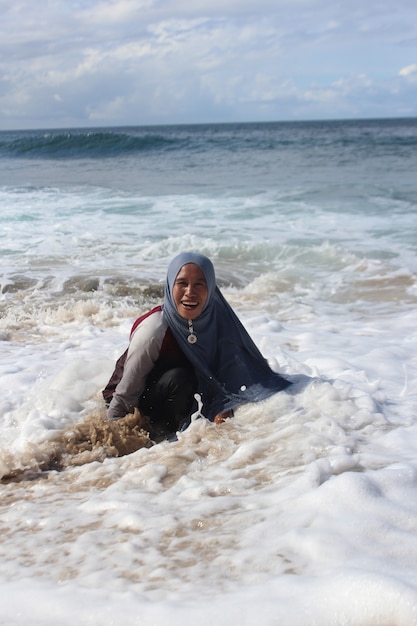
{"x":193,"y":343}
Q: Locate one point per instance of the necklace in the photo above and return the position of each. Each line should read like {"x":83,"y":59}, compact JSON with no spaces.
{"x":191,"y":337}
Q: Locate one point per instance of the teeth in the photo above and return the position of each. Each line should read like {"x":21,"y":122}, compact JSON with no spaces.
{"x":189,"y":303}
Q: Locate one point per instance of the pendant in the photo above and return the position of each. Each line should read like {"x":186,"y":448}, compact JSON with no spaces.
{"x":191,"y":337}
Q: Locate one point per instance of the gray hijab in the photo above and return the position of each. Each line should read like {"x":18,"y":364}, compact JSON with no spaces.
{"x":229,"y":367}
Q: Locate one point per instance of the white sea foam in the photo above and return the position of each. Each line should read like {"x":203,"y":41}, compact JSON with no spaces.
{"x":309,"y":494}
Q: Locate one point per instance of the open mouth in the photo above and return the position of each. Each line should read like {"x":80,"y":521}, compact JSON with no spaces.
{"x":189,"y":305}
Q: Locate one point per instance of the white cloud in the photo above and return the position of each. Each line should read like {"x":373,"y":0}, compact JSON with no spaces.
{"x":133,"y":61}
{"x":114,"y":12}
{"x":409,"y":70}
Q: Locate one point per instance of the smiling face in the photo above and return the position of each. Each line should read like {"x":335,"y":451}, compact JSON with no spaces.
{"x":190,"y":291}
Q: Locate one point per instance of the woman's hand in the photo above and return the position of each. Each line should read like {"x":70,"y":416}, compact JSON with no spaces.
{"x":222,"y":417}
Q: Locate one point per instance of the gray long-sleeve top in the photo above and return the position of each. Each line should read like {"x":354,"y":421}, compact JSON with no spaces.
{"x":144,"y":350}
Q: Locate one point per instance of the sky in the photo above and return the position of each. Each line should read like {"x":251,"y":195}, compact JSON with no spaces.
{"x":67,"y":63}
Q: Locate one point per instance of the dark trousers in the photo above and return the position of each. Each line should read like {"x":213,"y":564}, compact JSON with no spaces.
{"x":168,"y":401}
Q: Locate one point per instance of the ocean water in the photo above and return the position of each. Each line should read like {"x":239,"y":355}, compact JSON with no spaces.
{"x":301,"y":510}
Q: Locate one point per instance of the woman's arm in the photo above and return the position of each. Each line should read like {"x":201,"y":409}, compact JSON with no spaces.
{"x":144,"y":350}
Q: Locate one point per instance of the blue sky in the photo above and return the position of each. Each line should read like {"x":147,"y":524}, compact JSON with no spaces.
{"x":73,"y":63}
